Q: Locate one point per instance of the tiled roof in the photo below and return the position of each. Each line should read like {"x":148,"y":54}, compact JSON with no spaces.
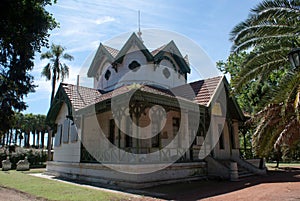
{"x":205,"y":89}
{"x":201,"y":93}
{"x":202,"y":90}
{"x":154,"y":52}
{"x":80,"y":97}
{"x":114,"y":52}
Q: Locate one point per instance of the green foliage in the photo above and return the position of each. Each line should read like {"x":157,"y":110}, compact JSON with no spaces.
{"x":35,"y":157}
{"x":23,"y":125}
{"x":55,"y":70}
{"x":268,"y":35}
{"x":24,"y":30}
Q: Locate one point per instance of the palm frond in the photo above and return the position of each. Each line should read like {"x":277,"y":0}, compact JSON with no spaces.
{"x":47,"y":71}
{"x":46,"y":55}
{"x":64,"y":71}
{"x":68,"y":57}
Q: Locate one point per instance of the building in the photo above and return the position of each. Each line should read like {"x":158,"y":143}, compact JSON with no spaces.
{"x":142,"y":124}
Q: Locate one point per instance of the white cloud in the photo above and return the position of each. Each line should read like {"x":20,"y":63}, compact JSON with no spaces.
{"x":104,"y":19}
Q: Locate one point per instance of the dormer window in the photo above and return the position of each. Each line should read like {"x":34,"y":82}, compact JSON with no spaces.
{"x":107,"y":74}
{"x":134,"y":66}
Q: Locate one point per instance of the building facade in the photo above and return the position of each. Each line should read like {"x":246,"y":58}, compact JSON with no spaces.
{"x":142,"y":124}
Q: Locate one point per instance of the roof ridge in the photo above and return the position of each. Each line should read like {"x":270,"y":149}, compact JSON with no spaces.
{"x":106,"y":46}
{"x":74,"y":85}
{"x":210,"y":78}
{"x":157,"y":50}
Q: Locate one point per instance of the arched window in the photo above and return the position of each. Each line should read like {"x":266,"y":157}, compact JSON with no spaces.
{"x":107,"y":74}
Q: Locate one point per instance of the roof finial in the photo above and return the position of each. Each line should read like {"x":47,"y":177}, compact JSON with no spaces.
{"x":139,"y":25}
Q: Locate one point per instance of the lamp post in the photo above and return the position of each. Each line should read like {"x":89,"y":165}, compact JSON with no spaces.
{"x":294,"y":57}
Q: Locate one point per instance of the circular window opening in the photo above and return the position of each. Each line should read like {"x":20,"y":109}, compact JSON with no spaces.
{"x":107,"y":74}
{"x":134,"y":66}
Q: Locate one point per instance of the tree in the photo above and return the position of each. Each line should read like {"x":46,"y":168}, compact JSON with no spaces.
{"x":41,"y":128}
{"x":24,"y":30}
{"x":250,"y":97}
{"x":269,"y":33}
{"x":55,"y":70}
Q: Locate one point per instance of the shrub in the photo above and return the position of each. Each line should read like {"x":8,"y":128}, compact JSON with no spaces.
{"x":36,"y":157}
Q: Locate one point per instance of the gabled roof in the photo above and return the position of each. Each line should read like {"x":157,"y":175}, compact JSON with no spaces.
{"x":202,"y":91}
{"x":133,"y":39}
{"x":154,"y":52}
{"x":114,"y":52}
{"x":116,"y":56}
{"x":78,"y":97}
{"x":176,"y":54}
{"x":102,"y":51}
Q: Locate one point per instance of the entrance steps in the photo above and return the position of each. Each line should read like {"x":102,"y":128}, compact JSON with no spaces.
{"x":221,"y":168}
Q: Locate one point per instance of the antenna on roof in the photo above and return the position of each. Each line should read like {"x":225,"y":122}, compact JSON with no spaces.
{"x":139,"y":25}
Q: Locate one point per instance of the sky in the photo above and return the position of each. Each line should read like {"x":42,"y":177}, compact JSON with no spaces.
{"x":86,"y":23}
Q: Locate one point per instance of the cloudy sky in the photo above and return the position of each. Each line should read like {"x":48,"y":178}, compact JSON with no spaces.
{"x":86,"y":23}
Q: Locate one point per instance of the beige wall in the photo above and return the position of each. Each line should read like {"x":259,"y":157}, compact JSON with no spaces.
{"x":228,"y":152}
{"x":66,"y":152}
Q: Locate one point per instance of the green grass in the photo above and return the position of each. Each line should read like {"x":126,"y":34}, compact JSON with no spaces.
{"x":52,"y":190}
{"x":272,"y":166}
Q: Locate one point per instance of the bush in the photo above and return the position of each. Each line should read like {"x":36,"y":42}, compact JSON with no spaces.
{"x":36,"y":157}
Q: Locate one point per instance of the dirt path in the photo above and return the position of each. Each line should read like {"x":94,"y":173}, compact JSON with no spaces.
{"x":277,"y":185}
{"x":7,"y":194}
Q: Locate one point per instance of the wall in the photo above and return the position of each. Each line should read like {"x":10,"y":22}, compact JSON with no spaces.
{"x":66,"y":152}
{"x":177,"y":172}
{"x":148,"y":73}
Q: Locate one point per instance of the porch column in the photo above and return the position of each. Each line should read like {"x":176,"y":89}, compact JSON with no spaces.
{"x":185,"y":135}
{"x":235,"y":127}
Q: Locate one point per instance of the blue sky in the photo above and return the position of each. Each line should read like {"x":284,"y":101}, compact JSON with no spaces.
{"x":86,"y":23}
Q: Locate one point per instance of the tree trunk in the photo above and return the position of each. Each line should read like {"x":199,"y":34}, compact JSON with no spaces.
{"x":7,"y":137}
{"x":3,"y":140}
{"x":42,"y":139}
{"x":20,"y":139}
{"x":33,"y":141}
{"x":278,"y":157}
{"x":49,"y":144}
{"x":38,"y":139}
{"x":10,"y":136}
{"x":53,"y":86}
{"x":16,"y":136}
{"x":28,"y":140}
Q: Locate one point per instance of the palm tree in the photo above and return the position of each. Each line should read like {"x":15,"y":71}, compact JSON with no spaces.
{"x":269,"y":33}
{"x":55,"y":70}
{"x":41,"y":127}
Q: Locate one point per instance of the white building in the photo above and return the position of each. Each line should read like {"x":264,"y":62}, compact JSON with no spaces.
{"x":142,"y":124}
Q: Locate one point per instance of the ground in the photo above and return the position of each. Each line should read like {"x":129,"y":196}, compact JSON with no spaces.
{"x":282,"y":184}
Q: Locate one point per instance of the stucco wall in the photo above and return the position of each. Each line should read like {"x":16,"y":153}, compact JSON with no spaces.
{"x":148,"y":73}
{"x":70,"y":151}
{"x":229,"y":151}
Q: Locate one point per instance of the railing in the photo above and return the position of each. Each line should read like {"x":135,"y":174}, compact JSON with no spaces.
{"x":134,"y":155}
{"x":246,"y":154}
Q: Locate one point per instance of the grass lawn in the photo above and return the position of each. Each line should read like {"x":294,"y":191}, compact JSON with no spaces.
{"x":271,"y":166}
{"x":52,"y":190}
